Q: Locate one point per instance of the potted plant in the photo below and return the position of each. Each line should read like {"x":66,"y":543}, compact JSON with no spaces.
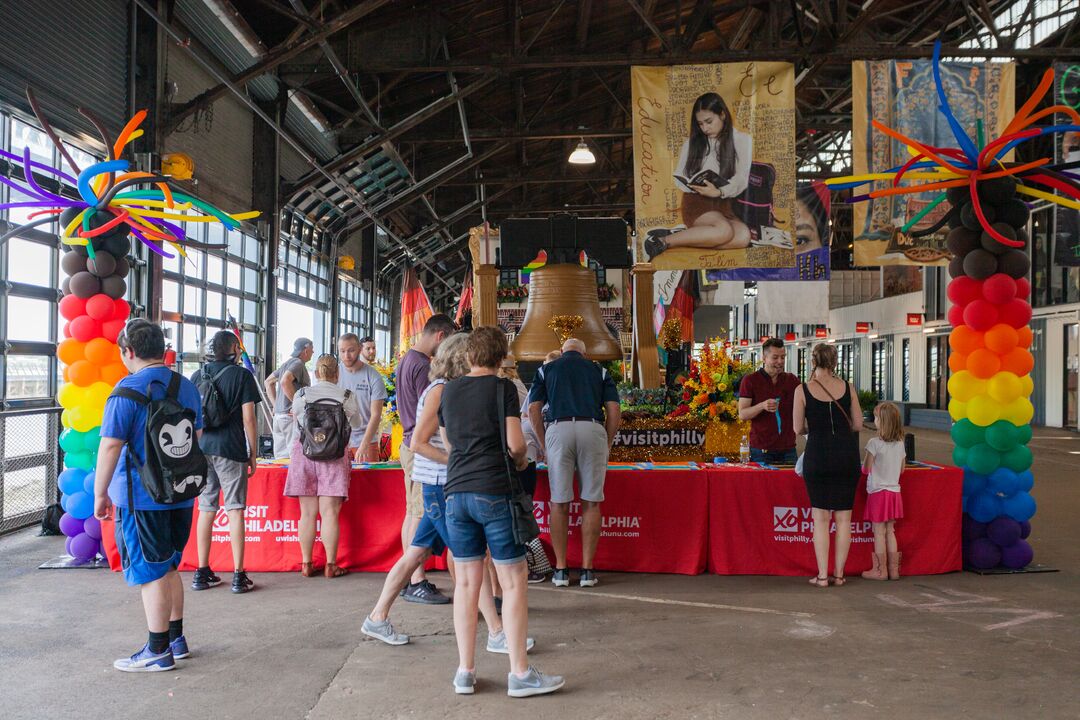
{"x":868,"y":400}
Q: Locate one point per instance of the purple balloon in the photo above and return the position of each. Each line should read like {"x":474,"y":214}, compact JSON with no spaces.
{"x":92,"y":527}
{"x":1025,"y":529}
{"x":1017,"y":555}
{"x":983,"y":554}
{"x":972,"y":528}
{"x":1004,"y":531}
{"x":83,"y":547}
{"x":70,"y":526}
{"x":67,"y":545}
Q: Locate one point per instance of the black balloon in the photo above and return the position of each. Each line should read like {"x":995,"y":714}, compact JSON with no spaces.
{"x":74,"y":249}
{"x":961,"y":241}
{"x":85,"y":285}
{"x":65,"y":286}
{"x":956,"y":267}
{"x":971,"y":221}
{"x":990,"y":243}
{"x":980,"y":264}
{"x":1014,"y":263}
{"x":73,"y":263}
{"x":114,"y":287}
{"x":958,"y":195}
{"x":123,"y":267}
{"x":1015,"y":212}
{"x":997,"y":191}
{"x":117,"y":245}
{"x":102,"y":264}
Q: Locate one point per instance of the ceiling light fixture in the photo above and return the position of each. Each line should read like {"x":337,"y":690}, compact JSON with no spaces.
{"x":582,"y":155}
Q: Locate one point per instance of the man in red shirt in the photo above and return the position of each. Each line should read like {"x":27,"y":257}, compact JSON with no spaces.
{"x":766,"y":398}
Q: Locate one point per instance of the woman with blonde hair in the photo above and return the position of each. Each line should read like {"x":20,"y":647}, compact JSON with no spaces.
{"x":321,"y":486}
{"x":827,"y":411}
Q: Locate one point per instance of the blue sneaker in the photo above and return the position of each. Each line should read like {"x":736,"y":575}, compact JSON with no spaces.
{"x":146,"y":661}
{"x":179,"y":648}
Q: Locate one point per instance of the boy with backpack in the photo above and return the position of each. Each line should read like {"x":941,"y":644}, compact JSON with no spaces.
{"x":150,"y":469}
{"x":230,"y":442}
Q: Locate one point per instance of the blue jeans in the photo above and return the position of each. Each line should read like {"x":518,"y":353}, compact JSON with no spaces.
{"x":774,"y":457}
{"x":431,"y":532}
{"x":477,"y":522}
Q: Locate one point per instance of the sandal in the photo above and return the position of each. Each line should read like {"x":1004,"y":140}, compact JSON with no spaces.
{"x":307,"y":570}
{"x":821,"y":582}
{"x":332,"y":570}
{"x":838,"y":580}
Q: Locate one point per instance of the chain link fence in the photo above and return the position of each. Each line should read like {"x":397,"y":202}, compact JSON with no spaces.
{"x":29,"y":466}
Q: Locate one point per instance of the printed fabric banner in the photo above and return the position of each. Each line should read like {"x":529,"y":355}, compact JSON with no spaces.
{"x":1067,"y":235}
{"x":714,"y":165}
{"x":902,"y":95}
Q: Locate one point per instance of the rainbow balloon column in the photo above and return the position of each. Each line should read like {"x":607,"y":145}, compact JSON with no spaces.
{"x":991,"y":359}
{"x":95,"y":230}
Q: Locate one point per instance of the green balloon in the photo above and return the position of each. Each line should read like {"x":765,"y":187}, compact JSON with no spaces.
{"x":1018,"y":459}
{"x":960,"y":456}
{"x":91,"y":440}
{"x":1023,"y":434}
{"x":983,"y":459}
{"x":1002,"y":436}
{"x":81,"y":460}
{"x":966,"y":433}
{"x":71,"y":441}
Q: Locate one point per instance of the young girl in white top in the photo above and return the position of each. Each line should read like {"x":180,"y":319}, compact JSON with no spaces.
{"x":885,"y":460}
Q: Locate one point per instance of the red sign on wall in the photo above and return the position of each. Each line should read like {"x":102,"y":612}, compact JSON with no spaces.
{"x":727,"y":345}
{"x":862,"y":327}
{"x":790,"y":336}
{"x":744,"y":342}
{"x":821,"y":332}
{"x":914,"y":319}
{"x":764,"y":338}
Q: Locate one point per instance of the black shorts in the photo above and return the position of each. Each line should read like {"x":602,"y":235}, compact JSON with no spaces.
{"x":151,"y":542}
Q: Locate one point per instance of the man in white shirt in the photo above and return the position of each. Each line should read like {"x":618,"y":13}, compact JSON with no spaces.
{"x":366,"y":384}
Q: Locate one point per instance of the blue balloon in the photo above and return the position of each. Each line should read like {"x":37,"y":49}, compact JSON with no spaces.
{"x":984,"y":507}
{"x":71,"y":481}
{"x":88,"y":483}
{"x":1025,"y":481}
{"x":64,"y":498}
{"x":1003,"y":481}
{"x":1020,"y":506}
{"x":81,"y":505}
{"x":974,"y":483}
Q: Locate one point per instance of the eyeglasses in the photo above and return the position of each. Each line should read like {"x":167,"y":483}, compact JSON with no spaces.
{"x":127,"y":325}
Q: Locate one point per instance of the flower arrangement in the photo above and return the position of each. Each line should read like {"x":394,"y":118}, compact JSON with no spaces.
{"x":709,"y":390}
{"x":565,"y":325}
{"x":511,"y":293}
{"x":606,"y":292}
{"x":389,"y":373}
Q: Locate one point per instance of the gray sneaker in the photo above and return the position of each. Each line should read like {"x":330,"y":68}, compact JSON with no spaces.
{"x":534,"y":683}
{"x":464,"y":682}
{"x":561,"y":578}
{"x":588,"y":578}
{"x":497,"y":643}
{"x":383,"y":631}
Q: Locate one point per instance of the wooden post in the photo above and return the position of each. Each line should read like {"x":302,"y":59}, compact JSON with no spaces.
{"x":646,"y":359}
{"x":484,"y":302}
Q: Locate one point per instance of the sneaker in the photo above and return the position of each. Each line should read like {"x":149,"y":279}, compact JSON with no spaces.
{"x":536,"y":577}
{"x":383,"y":631}
{"x":497,"y":643}
{"x":241,"y":583}
{"x":588,"y":578}
{"x":561,"y":578}
{"x":179,"y":648}
{"x":464,"y":682}
{"x":425,"y":593}
{"x":534,"y":683}
{"x":654,"y":245}
{"x":146,"y":661}
{"x":204,"y":579}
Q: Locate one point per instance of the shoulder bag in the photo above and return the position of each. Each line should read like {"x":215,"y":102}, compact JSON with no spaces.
{"x":522,"y":517}
{"x":851,"y":425}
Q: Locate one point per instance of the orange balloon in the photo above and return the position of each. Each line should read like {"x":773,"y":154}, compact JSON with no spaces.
{"x":71,"y":351}
{"x":113,"y":373}
{"x":84,"y":373}
{"x":965,"y":340}
{"x":101,"y":352}
{"x":1018,"y":361}
{"x":67,"y":379}
{"x":983,"y":363}
{"x":1001,"y":338}
{"x":957,"y":361}
{"x":1025,"y":337}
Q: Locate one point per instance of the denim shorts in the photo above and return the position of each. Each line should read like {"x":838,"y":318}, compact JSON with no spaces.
{"x":431,"y":532}
{"x":476,"y":521}
{"x":774,"y":457}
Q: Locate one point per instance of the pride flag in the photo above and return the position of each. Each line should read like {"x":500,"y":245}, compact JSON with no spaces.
{"x":415,"y":310}
{"x":466,"y":302}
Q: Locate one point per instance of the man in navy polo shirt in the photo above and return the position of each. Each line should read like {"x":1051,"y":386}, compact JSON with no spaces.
{"x":766,"y":398}
{"x":583,"y":407}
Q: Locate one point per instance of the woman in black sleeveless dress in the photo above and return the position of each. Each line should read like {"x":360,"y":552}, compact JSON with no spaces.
{"x":827,"y":410}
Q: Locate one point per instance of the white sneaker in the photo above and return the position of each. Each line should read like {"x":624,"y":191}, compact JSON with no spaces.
{"x":497,"y":643}
{"x":464,"y":682}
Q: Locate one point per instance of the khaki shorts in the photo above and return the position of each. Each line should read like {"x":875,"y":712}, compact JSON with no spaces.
{"x":580,"y":445}
{"x":224,"y":477}
{"x":414,"y":491}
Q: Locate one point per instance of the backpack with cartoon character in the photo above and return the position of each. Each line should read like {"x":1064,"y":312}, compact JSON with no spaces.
{"x":175,"y":467}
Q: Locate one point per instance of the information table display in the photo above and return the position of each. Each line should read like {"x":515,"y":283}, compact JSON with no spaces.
{"x":735,"y":520}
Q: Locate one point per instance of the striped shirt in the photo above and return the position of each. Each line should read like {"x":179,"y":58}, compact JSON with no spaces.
{"x":428,"y":471}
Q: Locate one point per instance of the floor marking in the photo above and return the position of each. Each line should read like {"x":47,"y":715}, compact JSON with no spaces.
{"x":967,"y":603}
{"x":684,"y":603}
{"x":809,"y":630}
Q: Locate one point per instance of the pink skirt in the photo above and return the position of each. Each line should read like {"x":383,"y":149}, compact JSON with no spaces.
{"x":322,"y":478}
{"x":883,"y":506}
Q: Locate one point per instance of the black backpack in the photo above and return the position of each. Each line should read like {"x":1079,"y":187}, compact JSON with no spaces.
{"x":215,"y":410}
{"x":324,"y":429}
{"x":175,"y":467}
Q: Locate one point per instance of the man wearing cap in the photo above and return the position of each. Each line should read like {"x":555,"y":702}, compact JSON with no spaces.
{"x":584,"y":410}
{"x":766,"y":398}
{"x":291,"y":376}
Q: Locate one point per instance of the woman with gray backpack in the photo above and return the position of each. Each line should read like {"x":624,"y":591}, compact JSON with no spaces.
{"x":319,"y":465}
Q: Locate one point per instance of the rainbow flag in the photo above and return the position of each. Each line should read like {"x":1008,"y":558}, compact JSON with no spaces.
{"x":415,"y":310}
{"x":683,"y":303}
{"x":538,"y":262}
{"x":466,"y":302}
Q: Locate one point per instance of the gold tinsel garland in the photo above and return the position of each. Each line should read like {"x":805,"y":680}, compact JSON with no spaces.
{"x":722,"y":438}
{"x":670,"y":337}
{"x":565,"y":325}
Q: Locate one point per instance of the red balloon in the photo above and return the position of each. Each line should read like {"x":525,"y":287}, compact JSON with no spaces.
{"x":66,"y":329}
{"x":981,"y":314}
{"x":121,"y":309}
{"x":984,"y":363}
{"x":999,"y":288}
{"x":1023,"y":288}
{"x":956,"y":315}
{"x":111,"y":328}
{"x":1018,"y":361}
{"x":85,"y":328}
{"x":72,"y":306}
{"x":963,"y":339}
{"x":964,"y":289}
{"x":1016,"y":312}
{"x":100,"y":307}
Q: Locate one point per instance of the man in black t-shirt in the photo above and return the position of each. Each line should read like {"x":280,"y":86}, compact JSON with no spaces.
{"x":231,"y":450}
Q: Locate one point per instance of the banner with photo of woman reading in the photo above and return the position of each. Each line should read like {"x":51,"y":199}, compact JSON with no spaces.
{"x":714,"y":165}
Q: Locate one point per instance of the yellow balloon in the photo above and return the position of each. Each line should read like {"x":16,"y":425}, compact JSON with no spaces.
{"x":983,"y":410}
{"x":83,"y":419}
{"x":65,"y":418}
{"x":1005,"y":387}
{"x":1027,"y":386}
{"x":964,"y":386}
{"x":1019,"y":411}
{"x":98,"y":393}
{"x":957,"y":409}
{"x":71,"y":396}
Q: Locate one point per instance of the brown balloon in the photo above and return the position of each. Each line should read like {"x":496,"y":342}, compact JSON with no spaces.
{"x":73,"y":263}
{"x":102,"y":264}
{"x":980,"y":264}
{"x":85,"y":285}
{"x":114,"y":286}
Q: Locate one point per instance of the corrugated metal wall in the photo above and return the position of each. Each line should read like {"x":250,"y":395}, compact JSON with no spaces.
{"x":72,"y":54}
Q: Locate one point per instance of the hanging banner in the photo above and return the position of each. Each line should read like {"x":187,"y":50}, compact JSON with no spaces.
{"x":714,"y":165}
{"x":1067,"y":148}
{"x":902,"y":94}
{"x":792,"y":301}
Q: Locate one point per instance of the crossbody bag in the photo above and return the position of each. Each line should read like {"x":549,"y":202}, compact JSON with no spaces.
{"x":522,"y":517}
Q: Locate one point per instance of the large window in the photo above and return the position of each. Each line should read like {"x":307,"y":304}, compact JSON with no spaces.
{"x":906,"y":352}
{"x":879,"y":369}
{"x":846,"y":362}
{"x":354,"y":299}
{"x":304,"y":280}
{"x":937,"y":372}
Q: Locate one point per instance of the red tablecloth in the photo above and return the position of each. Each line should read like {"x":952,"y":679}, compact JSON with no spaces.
{"x":760,"y":524}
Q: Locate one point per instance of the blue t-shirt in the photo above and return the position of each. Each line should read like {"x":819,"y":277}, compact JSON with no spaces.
{"x":125,"y":420}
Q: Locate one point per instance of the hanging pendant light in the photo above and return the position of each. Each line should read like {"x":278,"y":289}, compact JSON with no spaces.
{"x":582,"y":155}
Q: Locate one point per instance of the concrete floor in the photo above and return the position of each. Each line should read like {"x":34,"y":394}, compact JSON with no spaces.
{"x":637,"y":646}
